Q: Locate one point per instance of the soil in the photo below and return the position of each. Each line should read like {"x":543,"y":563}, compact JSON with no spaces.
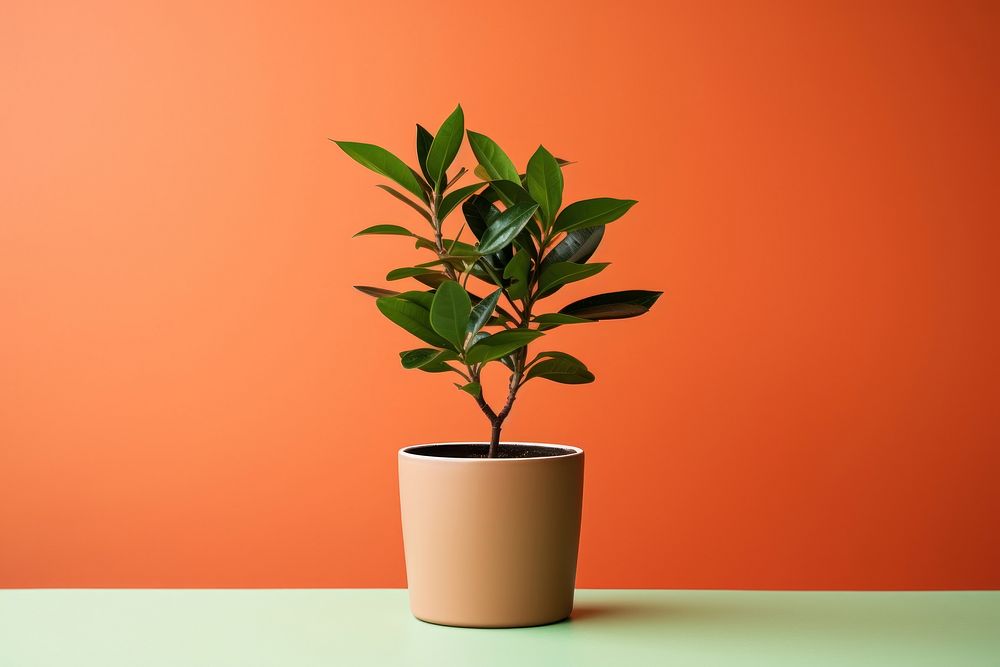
{"x":480,"y":451}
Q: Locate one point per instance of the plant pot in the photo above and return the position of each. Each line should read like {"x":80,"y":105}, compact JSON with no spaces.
{"x":491,"y":543}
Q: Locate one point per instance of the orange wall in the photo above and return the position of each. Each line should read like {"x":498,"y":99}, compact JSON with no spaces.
{"x":192,"y":395}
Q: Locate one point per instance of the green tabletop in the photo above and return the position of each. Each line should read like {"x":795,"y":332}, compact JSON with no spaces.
{"x":291,"y":628}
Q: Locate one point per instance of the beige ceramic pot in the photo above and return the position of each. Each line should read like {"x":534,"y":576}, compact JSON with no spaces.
{"x":491,"y":543}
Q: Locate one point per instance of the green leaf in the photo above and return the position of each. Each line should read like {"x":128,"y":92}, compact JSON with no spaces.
{"x":511,"y":194}
{"x":385,"y":163}
{"x":545,"y":183}
{"x":560,"y":367}
{"x":428,"y":359}
{"x":507,"y":225}
{"x":473,"y":388}
{"x":492,"y":159}
{"x":500,"y":344}
{"x":516,"y":272}
{"x":450,"y":312}
{"x":558,"y":274}
{"x":592,"y":212}
{"x":445,"y":146}
{"x":375,"y":291}
{"x":391,"y":230}
{"x":422,"y":299}
{"x":577,"y":246}
{"x":454,"y":198}
{"x":410,"y":316}
{"x":432,"y":280}
{"x":481,"y":313}
{"x":613,"y":305}
{"x":408,"y":272}
{"x":406,"y":200}
{"x":552,"y":320}
{"x":424,"y":141}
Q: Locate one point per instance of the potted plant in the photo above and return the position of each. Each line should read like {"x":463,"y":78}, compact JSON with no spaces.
{"x":491,"y":529}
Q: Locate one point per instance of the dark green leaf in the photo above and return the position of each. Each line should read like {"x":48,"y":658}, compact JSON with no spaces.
{"x":578,"y":246}
{"x":385,"y":163}
{"x":428,"y":359}
{"x":473,"y":388}
{"x":507,"y":225}
{"x":391,"y":230}
{"x":424,"y":141}
{"x":516,"y":272}
{"x":552,"y":320}
{"x":613,"y":305}
{"x":375,"y":291}
{"x":492,"y":159}
{"x":408,"y":272}
{"x":545,"y":183}
{"x":560,"y":367}
{"x":511,"y":194}
{"x":558,"y":274}
{"x":431,"y":279}
{"x":445,"y":146}
{"x":414,"y":318}
{"x":406,"y":200}
{"x":592,"y":212}
{"x":450,"y":312}
{"x":500,"y":344}
{"x":481,"y":313}
{"x":422,"y":299}
{"x":454,"y":198}
{"x":459,"y":249}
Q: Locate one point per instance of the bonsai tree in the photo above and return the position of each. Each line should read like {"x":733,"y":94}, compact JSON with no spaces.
{"x":524,"y":247}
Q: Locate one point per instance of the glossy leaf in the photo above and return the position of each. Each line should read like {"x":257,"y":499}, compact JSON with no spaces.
{"x":375,"y":291}
{"x":412,"y":317}
{"x":445,"y":147}
{"x":454,"y":198}
{"x":511,"y":194}
{"x":592,"y":212}
{"x":432,"y":280}
{"x":558,"y":274}
{"x":407,"y":272}
{"x":384,"y":163}
{"x":613,"y":305}
{"x":507,"y":225}
{"x":424,"y":141}
{"x":492,"y":159}
{"x":481,"y":313}
{"x":560,"y":367}
{"x":500,"y":344}
{"x":457,"y":249}
{"x":390,"y":230}
{"x":406,"y":200}
{"x":516,"y":272}
{"x":551,"y":320}
{"x":450,"y":312}
{"x":577,"y":246}
{"x":422,"y":299}
{"x":428,"y":359}
{"x":545,"y":183}
{"x":473,"y":389}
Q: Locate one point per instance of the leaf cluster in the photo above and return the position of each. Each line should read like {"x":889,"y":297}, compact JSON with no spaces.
{"x":520,"y":243}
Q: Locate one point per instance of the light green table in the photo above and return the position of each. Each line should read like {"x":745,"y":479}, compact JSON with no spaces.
{"x":330,"y":628}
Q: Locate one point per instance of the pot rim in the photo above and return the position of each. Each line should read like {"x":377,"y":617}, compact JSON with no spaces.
{"x":575,"y":452}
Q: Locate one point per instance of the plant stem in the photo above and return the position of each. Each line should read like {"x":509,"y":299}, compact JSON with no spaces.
{"x":438,"y":241}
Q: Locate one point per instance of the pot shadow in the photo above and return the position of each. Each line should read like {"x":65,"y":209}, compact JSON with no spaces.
{"x":612,"y":613}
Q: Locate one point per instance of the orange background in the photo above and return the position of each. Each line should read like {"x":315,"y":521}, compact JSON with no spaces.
{"x":191,"y":394}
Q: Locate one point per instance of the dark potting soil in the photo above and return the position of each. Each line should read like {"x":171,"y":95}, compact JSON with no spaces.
{"x":480,"y":451}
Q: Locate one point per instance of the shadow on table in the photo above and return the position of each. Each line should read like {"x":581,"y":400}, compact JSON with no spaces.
{"x":613,"y":612}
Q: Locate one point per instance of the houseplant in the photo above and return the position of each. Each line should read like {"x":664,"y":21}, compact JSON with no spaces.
{"x":491,"y":529}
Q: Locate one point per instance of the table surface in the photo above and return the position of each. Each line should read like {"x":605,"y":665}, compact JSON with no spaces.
{"x":292,"y":628}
